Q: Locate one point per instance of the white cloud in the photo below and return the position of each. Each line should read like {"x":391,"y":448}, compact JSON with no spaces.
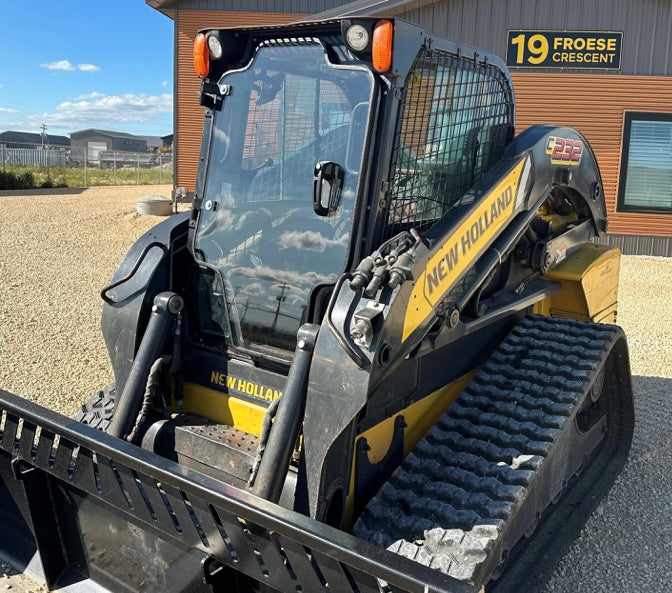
{"x":164,"y":84}
{"x":59,"y":65}
{"x":93,"y":95}
{"x":88,"y":67}
{"x":7,"y":110}
{"x":96,"y":110}
{"x":69,"y":66}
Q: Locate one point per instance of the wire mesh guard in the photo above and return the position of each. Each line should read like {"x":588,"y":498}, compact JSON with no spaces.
{"x":457,"y":118}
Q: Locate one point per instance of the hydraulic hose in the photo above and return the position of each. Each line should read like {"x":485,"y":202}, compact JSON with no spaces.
{"x":151,"y":389}
{"x":176,"y":365}
{"x":166,"y":306}
{"x":266,"y":425}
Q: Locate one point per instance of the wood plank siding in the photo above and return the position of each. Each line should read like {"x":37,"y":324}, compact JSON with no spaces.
{"x":596,"y":105}
{"x":189,"y":114}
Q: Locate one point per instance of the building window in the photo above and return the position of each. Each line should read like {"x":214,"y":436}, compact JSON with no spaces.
{"x":646,"y":163}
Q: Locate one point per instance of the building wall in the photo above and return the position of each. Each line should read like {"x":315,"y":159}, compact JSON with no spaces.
{"x":596,"y":105}
{"x":127,"y":144}
{"x":11,"y":139}
{"x":113,"y":143}
{"x":594,"y":101}
{"x":646,"y":24}
{"x":189,"y":114}
{"x":82,"y":141}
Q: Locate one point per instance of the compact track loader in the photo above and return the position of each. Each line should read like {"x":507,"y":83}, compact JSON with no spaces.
{"x":377,"y":355}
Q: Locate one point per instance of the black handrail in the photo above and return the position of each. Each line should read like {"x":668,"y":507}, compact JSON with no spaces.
{"x":127,"y":277}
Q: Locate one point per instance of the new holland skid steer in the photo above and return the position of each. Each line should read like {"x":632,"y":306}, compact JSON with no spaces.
{"x":377,"y":355}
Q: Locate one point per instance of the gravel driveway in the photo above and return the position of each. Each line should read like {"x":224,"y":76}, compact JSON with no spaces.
{"x":59,"y":250}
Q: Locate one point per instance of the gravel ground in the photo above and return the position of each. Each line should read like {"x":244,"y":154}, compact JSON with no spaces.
{"x":58,"y":251}
{"x":626,"y":545}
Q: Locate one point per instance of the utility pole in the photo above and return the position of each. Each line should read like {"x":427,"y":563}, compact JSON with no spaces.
{"x":281,"y":298}
{"x":43,"y":127}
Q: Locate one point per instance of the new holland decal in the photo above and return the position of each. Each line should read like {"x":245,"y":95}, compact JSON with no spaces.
{"x":244,"y":386}
{"x":460,"y":250}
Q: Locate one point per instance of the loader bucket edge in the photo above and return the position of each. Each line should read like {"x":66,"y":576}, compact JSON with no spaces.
{"x":76,"y":467}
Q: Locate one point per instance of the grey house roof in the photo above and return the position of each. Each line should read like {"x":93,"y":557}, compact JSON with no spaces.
{"x":96,"y":132}
{"x":168,"y":7}
{"x":33,"y":138}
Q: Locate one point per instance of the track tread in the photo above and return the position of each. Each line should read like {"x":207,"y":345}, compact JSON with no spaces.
{"x":98,"y":409}
{"x":452,"y":499}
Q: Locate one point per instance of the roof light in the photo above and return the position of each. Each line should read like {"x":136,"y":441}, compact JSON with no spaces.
{"x":383,"y":34}
{"x":215,"y":47}
{"x":201,"y":56}
{"x":357,"y":37}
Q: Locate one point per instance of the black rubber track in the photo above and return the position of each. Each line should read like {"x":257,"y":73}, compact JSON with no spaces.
{"x":484,"y":474}
{"x":99,"y":408}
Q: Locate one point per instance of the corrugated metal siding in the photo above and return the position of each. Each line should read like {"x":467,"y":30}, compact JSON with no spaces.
{"x":189,"y":118}
{"x":639,"y":245}
{"x":372,"y":8}
{"x":646,"y":24}
{"x":287,"y":6}
{"x":596,"y":106}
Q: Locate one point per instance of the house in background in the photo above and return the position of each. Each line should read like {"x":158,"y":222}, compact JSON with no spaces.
{"x":167,"y":142}
{"x":153,"y":142}
{"x":94,"y":141}
{"x":602,"y":66}
{"x":13,"y":139}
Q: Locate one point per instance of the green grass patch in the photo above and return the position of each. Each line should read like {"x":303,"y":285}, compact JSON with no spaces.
{"x":18,"y":177}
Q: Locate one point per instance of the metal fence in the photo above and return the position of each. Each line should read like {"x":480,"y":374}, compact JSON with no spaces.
{"x":30,"y":157}
{"x":82,"y":167}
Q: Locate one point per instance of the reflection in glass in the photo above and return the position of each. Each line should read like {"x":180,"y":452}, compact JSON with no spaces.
{"x":287,"y":111}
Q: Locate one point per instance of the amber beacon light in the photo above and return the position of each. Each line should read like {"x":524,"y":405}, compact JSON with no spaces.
{"x":383,"y":33}
{"x":201,"y":55}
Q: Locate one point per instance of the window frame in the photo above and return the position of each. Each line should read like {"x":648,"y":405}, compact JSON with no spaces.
{"x":629,"y":117}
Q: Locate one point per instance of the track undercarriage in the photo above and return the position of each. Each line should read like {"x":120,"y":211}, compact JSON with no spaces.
{"x":552,"y":401}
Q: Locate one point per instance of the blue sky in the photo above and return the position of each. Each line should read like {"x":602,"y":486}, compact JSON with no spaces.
{"x":78,"y":64}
